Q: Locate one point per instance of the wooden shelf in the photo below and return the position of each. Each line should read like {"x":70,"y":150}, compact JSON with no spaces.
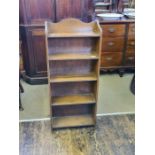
{"x":73,"y":100}
{"x":73,"y":78}
{"x":72,"y":56}
{"x":73,"y":121}
{"x":67,"y":35}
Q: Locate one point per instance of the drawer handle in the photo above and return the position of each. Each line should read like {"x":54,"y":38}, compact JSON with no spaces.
{"x":109,"y":58}
{"x":110,"y":43}
{"x":111,"y":30}
{"x":132,"y":43}
{"x":130,"y":58}
{"x":133,"y":29}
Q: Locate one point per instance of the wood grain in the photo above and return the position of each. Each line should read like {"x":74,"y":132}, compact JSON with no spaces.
{"x":112,"y":135}
{"x":74,"y":99}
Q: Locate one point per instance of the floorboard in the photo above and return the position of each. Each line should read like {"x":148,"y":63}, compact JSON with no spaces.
{"x":112,"y":135}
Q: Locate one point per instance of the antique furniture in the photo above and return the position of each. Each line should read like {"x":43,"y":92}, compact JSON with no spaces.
{"x":73,"y":60}
{"x":33,"y":14}
{"x":118,"y":45}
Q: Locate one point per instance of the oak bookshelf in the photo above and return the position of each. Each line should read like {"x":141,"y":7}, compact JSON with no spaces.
{"x":73,"y":59}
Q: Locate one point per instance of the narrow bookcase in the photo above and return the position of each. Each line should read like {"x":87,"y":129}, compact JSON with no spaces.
{"x":73,"y":60}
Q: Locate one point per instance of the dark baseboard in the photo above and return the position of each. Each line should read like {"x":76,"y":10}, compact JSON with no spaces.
{"x":120,"y":71}
{"x":34,"y":80}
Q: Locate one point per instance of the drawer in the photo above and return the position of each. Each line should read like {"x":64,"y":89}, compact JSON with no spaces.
{"x":131,"y":31}
{"x":113,"y":44}
{"x":130,"y":59}
{"x":131,"y":45}
{"x":112,"y":30}
{"x":111,"y":59}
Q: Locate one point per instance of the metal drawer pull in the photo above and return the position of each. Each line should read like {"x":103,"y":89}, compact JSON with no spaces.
{"x":130,"y":58}
{"x":108,"y":58}
{"x":132,"y":43}
{"x":111,"y":30}
{"x":111,"y":43}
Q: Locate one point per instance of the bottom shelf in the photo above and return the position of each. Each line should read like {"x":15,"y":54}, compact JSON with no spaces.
{"x":73,"y":121}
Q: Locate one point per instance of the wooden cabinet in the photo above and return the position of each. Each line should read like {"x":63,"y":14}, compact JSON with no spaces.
{"x":33,"y":47}
{"x":73,"y":55}
{"x":118,"y":45}
{"x":112,"y":45}
{"x":33,"y":14}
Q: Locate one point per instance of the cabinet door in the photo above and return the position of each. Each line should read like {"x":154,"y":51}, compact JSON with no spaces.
{"x":36,"y":11}
{"x":81,"y":9}
{"x":37,"y":51}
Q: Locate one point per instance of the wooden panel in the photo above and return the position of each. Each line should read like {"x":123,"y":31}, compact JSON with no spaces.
{"x":130,"y":59}
{"x":37,"y":41}
{"x":73,"y":88}
{"x":68,"y":8}
{"x":72,"y":110}
{"x":113,"y":30}
{"x":34,"y":53}
{"x":37,"y":11}
{"x":81,"y":9}
{"x":72,"y":67}
{"x":111,"y":59}
{"x":73,"y":99}
{"x":73,"y":45}
{"x":113,"y":44}
{"x":73,"y":121}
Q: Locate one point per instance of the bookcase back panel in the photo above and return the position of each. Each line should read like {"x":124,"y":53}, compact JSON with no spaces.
{"x":72,"y":67}
{"x":72,"y":45}
{"x":72,"y":88}
{"x":72,"y":110}
{"x":72,"y":25}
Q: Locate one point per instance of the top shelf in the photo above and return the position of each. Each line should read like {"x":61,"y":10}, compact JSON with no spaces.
{"x":67,"y":35}
{"x":72,"y":28}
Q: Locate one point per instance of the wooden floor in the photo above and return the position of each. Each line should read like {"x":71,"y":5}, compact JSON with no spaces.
{"x":113,"y":135}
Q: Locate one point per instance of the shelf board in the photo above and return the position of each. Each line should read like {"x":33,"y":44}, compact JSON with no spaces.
{"x":73,"y":121}
{"x":78,"y":34}
{"x":73,"y":100}
{"x":73,"y":78}
{"x":72,"y":56}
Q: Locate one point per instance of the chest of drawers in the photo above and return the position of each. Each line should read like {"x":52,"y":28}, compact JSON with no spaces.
{"x":118,"y":46}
